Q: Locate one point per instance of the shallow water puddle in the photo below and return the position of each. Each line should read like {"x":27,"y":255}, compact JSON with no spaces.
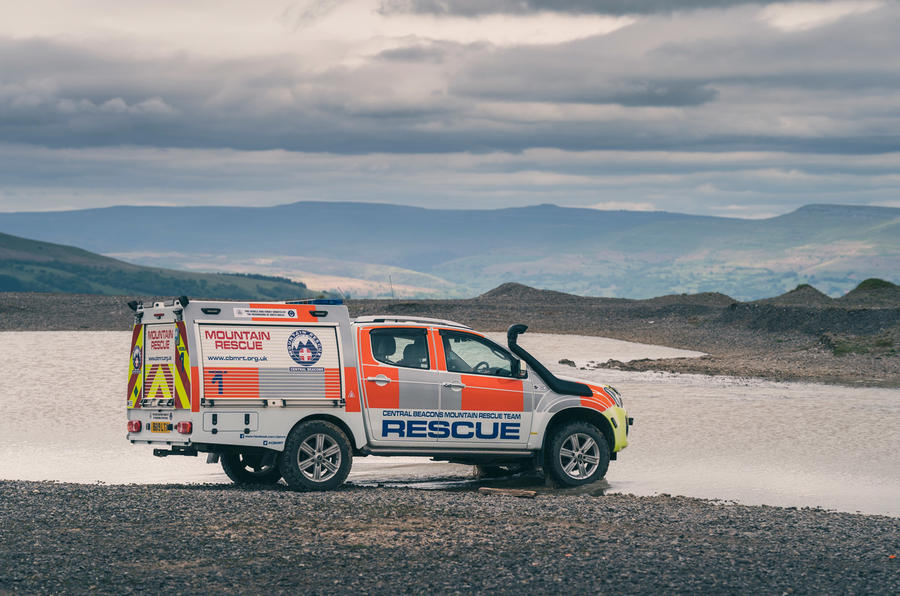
{"x":62,"y":418}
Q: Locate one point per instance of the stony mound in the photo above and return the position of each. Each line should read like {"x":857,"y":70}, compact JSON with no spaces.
{"x":876,"y":293}
{"x":701,"y":299}
{"x":523,"y":293}
{"x":802,"y":295}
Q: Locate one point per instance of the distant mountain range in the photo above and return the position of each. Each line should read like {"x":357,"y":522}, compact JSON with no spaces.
{"x":364,"y":248}
{"x":32,"y":266}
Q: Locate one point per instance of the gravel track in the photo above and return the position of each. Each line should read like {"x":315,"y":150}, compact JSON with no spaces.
{"x":67,"y":538}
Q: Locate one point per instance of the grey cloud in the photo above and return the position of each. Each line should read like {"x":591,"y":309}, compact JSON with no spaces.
{"x":657,"y":84}
{"x":418,"y":53}
{"x":475,"y":8}
{"x":38,"y":178}
{"x":299,"y":15}
{"x":559,"y":89}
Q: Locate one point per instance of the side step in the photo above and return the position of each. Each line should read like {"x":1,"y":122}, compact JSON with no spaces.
{"x":176,"y":450}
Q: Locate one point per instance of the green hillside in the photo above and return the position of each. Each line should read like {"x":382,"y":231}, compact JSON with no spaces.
{"x":447,"y":252}
{"x":32,"y":266}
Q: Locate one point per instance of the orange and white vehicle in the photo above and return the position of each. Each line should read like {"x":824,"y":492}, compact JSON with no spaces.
{"x":295,"y":390}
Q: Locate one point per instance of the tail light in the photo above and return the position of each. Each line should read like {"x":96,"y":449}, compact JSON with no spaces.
{"x":184,"y":428}
{"x":134,"y":426}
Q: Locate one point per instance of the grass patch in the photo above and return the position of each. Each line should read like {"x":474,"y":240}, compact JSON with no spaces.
{"x":882,"y":345}
{"x":874,"y":283}
{"x":842,"y":348}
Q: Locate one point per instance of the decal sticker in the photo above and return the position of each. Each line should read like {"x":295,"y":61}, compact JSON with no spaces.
{"x":304,"y":347}
{"x":234,"y":339}
{"x":161,"y":339}
{"x":136,"y":359}
{"x":431,"y":424}
{"x":267,"y":313}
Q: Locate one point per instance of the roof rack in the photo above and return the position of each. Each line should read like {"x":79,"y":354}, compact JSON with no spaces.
{"x":406,"y":319}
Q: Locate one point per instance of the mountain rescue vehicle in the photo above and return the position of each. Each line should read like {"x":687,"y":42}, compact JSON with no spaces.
{"x":295,"y":390}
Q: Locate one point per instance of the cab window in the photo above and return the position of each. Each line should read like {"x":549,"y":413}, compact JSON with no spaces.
{"x":400,"y":347}
{"x":467,"y":353}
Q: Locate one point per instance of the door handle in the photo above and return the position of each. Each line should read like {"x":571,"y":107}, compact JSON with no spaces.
{"x":380,"y":380}
{"x":453,"y":385}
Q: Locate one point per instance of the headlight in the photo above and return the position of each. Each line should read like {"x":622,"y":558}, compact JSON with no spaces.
{"x":614,"y":394}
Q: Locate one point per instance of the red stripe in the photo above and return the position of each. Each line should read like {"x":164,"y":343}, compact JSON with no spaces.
{"x":150,"y":377}
{"x":595,"y":403}
{"x":437,"y":344}
{"x":332,"y":383}
{"x":351,"y":389}
{"x":492,"y":394}
{"x":195,"y":389}
{"x":303,"y":312}
{"x":179,"y":365}
{"x":135,"y":334}
{"x":365,"y":347}
{"x":242,"y":383}
{"x":387,"y":396}
{"x":149,"y":374}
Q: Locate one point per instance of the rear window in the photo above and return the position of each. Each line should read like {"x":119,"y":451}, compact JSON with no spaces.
{"x":404,"y":347}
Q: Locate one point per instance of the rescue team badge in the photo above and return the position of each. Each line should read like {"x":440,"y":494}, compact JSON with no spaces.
{"x":304,"y":347}
{"x":136,"y":358}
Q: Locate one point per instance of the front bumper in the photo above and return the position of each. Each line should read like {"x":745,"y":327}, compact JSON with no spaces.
{"x":619,"y":421}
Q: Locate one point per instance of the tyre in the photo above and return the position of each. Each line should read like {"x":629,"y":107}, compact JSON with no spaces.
{"x":578,"y":454}
{"x":251,"y":467}
{"x":316,"y":456}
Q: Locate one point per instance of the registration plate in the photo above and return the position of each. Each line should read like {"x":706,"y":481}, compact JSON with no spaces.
{"x":160,"y":427}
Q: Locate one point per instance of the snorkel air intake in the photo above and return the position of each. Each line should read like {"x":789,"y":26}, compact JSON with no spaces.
{"x":556,"y":384}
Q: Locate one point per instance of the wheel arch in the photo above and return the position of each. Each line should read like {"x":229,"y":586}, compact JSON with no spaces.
{"x":580,"y":414}
{"x":335,"y":420}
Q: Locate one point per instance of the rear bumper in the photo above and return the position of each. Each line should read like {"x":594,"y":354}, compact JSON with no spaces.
{"x":176,"y":439}
{"x":158,"y":426}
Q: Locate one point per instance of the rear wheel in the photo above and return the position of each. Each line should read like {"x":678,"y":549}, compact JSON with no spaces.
{"x":316,"y":456}
{"x":252,"y":467}
{"x":578,"y":454}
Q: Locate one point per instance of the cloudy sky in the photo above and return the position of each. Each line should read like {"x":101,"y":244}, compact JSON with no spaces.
{"x":717,"y":107}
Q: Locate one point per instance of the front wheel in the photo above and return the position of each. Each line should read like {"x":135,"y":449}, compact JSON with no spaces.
{"x":252,"y":467}
{"x":316,"y":456}
{"x":578,"y":454}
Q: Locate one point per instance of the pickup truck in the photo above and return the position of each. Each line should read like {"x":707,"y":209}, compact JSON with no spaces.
{"x":296,"y":390}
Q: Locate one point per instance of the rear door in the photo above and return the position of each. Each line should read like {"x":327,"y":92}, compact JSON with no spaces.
{"x":264,"y":362}
{"x":166,"y":382}
{"x":480,"y":401}
{"x":400,"y":387}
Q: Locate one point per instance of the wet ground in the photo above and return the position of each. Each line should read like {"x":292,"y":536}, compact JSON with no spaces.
{"x":754,"y":442}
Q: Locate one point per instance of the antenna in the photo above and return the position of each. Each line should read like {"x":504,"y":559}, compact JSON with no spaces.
{"x":391,"y":281}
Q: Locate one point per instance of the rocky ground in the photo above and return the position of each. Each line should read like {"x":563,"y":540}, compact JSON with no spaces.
{"x":802,"y":335}
{"x":841,"y":343}
{"x":64,"y":538}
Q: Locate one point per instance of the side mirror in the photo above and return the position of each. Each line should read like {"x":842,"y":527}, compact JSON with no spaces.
{"x":519,"y":370}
